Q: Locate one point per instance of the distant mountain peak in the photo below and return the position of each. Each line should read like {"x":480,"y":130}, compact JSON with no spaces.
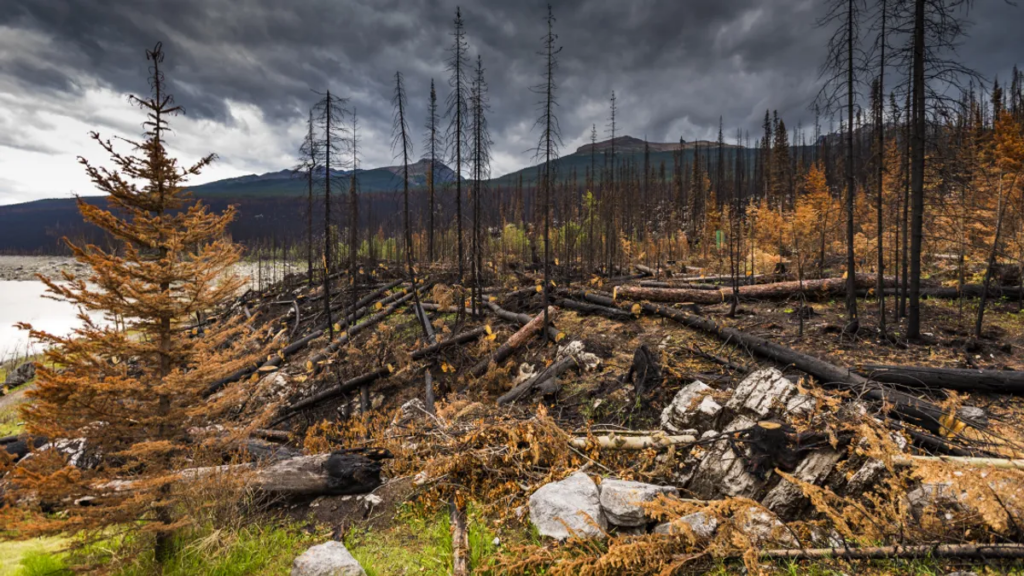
{"x":632,"y":145}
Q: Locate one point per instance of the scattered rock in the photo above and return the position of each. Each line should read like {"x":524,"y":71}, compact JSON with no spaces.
{"x":586,"y":360}
{"x":692,"y":407}
{"x":762,"y":527}
{"x":869,"y":473}
{"x":571,"y":506}
{"x":327,"y":559}
{"x":801,"y":405}
{"x":936,"y":496}
{"x":20,"y":375}
{"x":723,"y":472}
{"x":621,"y":500}
{"x":759,"y":392}
{"x":702,"y":525}
{"x":786,"y":499}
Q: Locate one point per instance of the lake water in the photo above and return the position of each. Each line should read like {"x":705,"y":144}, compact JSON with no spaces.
{"x":22,"y":301}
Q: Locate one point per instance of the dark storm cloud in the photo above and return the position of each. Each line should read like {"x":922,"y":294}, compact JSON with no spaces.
{"x":676,"y":66}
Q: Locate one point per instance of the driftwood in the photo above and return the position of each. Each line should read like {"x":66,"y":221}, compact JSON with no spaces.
{"x":522,"y":336}
{"x":774,"y":291}
{"x":968,"y":380}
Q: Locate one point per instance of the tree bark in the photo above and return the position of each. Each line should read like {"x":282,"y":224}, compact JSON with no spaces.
{"x":776,"y":291}
{"x":967,"y":380}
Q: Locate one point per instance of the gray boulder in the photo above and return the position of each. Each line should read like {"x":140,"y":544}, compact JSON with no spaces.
{"x":759,"y":392}
{"x":692,"y":407}
{"x":621,"y":500}
{"x":786,"y":499}
{"x":722,"y":472}
{"x":569,"y":507}
{"x":21,"y":374}
{"x":327,"y":559}
{"x":702,"y":525}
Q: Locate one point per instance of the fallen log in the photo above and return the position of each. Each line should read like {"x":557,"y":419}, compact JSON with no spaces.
{"x":963,"y":379}
{"x":616,"y":442}
{"x":969,"y":291}
{"x":774,"y":291}
{"x":314,"y":363}
{"x":642,"y":442}
{"x":523,"y":335}
{"x":522,"y":319}
{"x":333,"y":391}
{"x":372,"y":376}
{"x":884,"y":552}
{"x":689,"y":286}
{"x":589,"y":308}
{"x":320,"y":474}
{"x":907,"y":407}
{"x":278,"y":358}
{"x":645,"y":270}
{"x":549,"y":374}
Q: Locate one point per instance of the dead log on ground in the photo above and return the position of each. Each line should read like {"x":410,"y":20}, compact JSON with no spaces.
{"x":320,"y":474}
{"x":589,"y":308}
{"x":373,"y":375}
{"x":910,"y":408}
{"x":278,"y":358}
{"x":963,"y":379}
{"x":547,"y":379}
{"x":524,"y":334}
{"x":774,"y":291}
{"x":985,"y":551}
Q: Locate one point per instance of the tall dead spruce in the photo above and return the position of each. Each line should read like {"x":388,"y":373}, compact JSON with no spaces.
{"x":548,"y":144}
{"x":329,"y":113}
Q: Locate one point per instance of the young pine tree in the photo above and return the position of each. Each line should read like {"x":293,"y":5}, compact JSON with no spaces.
{"x":131,"y":390}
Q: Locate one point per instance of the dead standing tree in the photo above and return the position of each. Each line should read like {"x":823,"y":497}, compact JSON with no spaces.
{"x":432,"y":145}
{"x":329,"y":113}
{"x":547,"y":146}
{"x":480,"y":142}
{"x":309,"y":151}
{"x":842,"y":69}
{"x":934,"y":28}
{"x":457,"y":111}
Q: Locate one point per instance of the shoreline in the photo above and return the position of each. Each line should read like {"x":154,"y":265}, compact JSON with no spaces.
{"x":25,"y":268}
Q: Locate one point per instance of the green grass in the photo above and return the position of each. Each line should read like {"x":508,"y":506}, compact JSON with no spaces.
{"x":254,"y":550}
{"x":29,"y":557}
{"x":420,"y":543}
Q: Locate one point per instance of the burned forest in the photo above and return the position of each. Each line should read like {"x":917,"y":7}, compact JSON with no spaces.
{"x":791,"y":348}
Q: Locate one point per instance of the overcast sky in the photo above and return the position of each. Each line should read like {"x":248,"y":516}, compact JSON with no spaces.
{"x":245,"y":72}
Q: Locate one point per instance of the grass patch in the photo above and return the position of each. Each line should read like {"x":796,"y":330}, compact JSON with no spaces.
{"x":10,"y":422}
{"x":419,"y":543}
{"x":253,"y":550}
{"x":26,"y":557}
